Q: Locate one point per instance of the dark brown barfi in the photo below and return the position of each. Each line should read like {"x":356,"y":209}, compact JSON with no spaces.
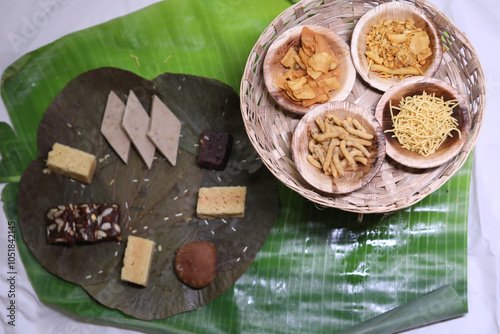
{"x":215,"y":148}
{"x":83,"y":223}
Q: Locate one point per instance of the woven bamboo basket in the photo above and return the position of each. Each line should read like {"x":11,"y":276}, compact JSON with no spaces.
{"x":395,"y":187}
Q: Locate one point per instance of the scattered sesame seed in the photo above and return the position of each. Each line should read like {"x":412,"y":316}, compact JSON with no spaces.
{"x":218,"y":177}
{"x":116,"y":253}
{"x":244,"y":160}
{"x":179,"y":214}
{"x":111,"y":182}
{"x":185,"y":191}
{"x":82,"y":185}
{"x":224,"y":221}
{"x":129,"y":219}
{"x":145,"y":227}
{"x":146,"y":180}
{"x":206,"y":222}
{"x":89,"y":276}
{"x":134,"y":180}
{"x":126,"y":205}
{"x":238,"y":260}
{"x":79,"y":133}
{"x":179,"y":88}
{"x":134,"y":231}
{"x":232,"y":228}
{"x":71,"y":180}
{"x":239,"y":141}
{"x":99,"y":272}
{"x":166,"y":218}
{"x":176,"y":198}
{"x":69,"y":125}
{"x":160,"y":248}
{"x":196,"y":145}
{"x":245,"y":249}
{"x":213,"y":232}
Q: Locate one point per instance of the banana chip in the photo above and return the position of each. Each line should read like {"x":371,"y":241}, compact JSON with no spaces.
{"x":312,"y":70}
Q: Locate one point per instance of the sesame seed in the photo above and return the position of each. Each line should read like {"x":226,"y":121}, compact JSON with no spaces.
{"x":134,"y":180}
{"x":116,"y":253}
{"x":69,"y":125}
{"x":160,"y":248}
{"x":232,"y":228}
{"x":224,"y":221}
{"x":218,"y":177}
{"x":126,"y":205}
{"x":185,"y":191}
{"x":99,"y":272}
{"x":166,"y":218}
{"x":176,"y":198}
{"x":206,"y":222}
{"x":145,"y":227}
{"x":238,"y":260}
{"x":179,"y":214}
{"x":89,"y":276}
{"x":82,"y":185}
{"x":79,"y":133}
{"x":134,"y":231}
{"x":245,"y":249}
{"x":146,"y":180}
{"x":213,"y":232}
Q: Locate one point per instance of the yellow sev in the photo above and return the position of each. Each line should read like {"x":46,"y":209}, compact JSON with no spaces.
{"x":423,"y":122}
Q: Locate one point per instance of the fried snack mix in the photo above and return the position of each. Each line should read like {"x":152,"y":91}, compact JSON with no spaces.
{"x":312,"y":71}
{"x":337,"y":146}
{"x":397,"y":48}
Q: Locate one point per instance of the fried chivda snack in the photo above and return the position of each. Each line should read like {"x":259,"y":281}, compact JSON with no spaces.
{"x":397,"y":48}
{"x":337,"y":146}
{"x":312,"y":71}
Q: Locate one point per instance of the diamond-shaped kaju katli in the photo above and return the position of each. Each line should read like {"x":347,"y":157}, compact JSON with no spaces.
{"x":112,"y":129}
{"x":136,"y":124}
{"x":165,"y":130}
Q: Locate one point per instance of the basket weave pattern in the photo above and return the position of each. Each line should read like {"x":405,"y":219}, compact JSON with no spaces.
{"x":270,"y":128}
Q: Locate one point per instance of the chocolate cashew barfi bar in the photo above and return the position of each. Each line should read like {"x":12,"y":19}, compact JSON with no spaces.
{"x":83,"y":223}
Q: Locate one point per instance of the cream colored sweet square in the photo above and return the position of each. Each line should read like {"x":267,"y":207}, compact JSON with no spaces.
{"x":137,"y":260}
{"x":71,"y":162}
{"x":221,"y":202}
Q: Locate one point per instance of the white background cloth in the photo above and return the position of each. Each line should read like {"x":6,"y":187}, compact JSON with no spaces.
{"x":479,"y":19}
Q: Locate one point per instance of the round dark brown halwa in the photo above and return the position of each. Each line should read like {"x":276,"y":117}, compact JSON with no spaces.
{"x":195,"y":263}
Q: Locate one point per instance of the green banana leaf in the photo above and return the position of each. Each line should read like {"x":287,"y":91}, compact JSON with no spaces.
{"x":320,"y":270}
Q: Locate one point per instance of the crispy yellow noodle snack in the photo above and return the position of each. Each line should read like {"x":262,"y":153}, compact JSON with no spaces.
{"x":423,"y":122}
